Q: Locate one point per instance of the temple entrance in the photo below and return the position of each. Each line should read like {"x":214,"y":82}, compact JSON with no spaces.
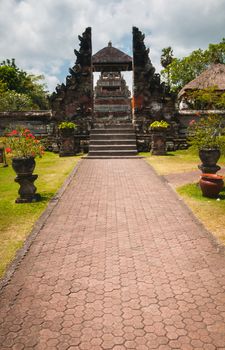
{"x":113,"y":135}
{"x":109,"y":104}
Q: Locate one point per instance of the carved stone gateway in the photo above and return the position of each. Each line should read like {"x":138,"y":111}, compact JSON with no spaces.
{"x":74,"y":100}
{"x":152,"y":100}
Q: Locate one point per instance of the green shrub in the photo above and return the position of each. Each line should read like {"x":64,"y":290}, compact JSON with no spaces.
{"x":162,"y":124}
{"x":67,"y":125}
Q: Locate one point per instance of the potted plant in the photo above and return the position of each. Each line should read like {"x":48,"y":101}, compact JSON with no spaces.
{"x":67,"y":128}
{"x":161,"y":125}
{"x":158,"y":144}
{"x":206,"y":136}
{"x":211,"y":185}
{"x":22,"y":146}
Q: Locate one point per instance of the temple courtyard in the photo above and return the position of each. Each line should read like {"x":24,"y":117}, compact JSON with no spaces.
{"x":119,"y":262}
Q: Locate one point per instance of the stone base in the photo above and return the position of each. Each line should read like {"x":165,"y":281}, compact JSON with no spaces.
{"x":158,"y":152}
{"x":67,"y":154}
{"x":209,"y":169}
{"x":67,"y":147}
{"x":27,"y":190}
{"x":35,"y":198}
{"x":158,"y":145}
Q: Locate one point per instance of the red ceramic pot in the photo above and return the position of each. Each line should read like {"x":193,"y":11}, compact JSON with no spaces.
{"x":211,"y":185}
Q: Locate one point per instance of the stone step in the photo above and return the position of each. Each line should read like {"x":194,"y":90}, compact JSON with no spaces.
{"x":112,"y":157}
{"x":119,"y":119}
{"x":112,"y":131}
{"x":112,"y":147}
{"x":118,"y":125}
{"x":112,"y":136}
{"x":113,"y":153}
{"x":113,"y":142}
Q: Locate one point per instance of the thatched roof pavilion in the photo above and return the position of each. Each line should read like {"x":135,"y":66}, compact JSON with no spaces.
{"x":213,"y":76}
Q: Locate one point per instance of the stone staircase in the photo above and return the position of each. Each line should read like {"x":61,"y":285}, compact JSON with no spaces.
{"x":114,"y":141}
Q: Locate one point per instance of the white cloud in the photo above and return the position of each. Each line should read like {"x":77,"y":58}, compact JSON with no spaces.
{"x":41,"y":35}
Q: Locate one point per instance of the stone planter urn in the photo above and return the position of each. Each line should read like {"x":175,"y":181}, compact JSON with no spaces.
{"x":211,"y":185}
{"x":24,"y":168}
{"x":209,"y":158}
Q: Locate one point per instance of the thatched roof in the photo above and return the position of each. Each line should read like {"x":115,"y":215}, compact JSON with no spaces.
{"x":110,"y":56}
{"x":213,"y":76}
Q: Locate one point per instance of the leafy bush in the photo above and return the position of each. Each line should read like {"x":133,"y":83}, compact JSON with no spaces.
{"x":207,"y":133}
{"x":13,"y":101}
{"x":67,"y":125}
{"x":16,"y":83}
{"x":162,"y":124}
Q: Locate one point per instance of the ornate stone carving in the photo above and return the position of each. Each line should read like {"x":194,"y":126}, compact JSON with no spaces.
{"x":147,"y":85}
{"x":152,"y":100}
{"x":74,"y":99}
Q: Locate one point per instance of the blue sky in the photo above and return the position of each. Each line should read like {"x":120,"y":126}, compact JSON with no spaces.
{"x":41,"y":35}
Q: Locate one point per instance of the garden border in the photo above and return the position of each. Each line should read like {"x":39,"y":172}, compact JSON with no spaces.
{"x":38,"y":225}
{"x":220,"y":248}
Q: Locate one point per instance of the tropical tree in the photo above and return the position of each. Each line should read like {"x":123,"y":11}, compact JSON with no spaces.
{"x":20,"y":83}
{"x":13,"y":101}
{"x":166,"y":60}
{"x":183,"y":70}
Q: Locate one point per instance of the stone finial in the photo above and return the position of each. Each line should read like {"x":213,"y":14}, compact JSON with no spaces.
{"x":110,"y":44}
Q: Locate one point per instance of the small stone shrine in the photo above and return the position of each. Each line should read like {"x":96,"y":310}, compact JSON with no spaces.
{"x":112,"y":101}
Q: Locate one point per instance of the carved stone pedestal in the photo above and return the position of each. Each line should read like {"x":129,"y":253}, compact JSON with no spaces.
{"x":67,"y":146}
{"x":158,"y":145}
{"x":27,"y":190}
{"x":209,"y":169}
{"x":67,"y":143}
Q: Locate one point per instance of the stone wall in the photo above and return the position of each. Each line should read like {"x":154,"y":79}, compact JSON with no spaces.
{"x":39,"y":122}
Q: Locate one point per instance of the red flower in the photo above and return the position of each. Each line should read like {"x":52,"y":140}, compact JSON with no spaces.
{"x":192,"y":122}
{"x":31,"y":136}
{"x":13,"y":133}
{"x":8,"y":150}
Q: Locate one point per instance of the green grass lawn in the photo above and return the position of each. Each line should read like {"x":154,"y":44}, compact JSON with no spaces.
{"x":210,"y":212}
{"x":17,"y":220}
{"x":173,"y":162}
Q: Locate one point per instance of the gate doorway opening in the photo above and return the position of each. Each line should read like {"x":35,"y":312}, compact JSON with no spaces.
{"x":112,"y":97}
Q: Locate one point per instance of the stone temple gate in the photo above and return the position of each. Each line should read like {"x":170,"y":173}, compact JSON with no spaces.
{"x":110,"y":102}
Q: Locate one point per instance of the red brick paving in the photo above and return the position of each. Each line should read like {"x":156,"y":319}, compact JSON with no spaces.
{"x":120,"y":264}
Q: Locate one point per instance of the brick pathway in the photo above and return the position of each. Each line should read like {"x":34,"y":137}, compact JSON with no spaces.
{"x":119,"y":264}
